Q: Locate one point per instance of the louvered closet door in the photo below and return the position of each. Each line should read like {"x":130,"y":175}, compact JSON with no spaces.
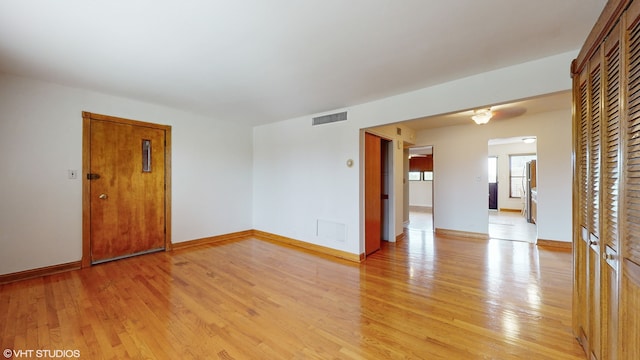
{"x":610,"y":192}
{"x":593,"y":205}
{"x":630,"y":226}
{"x":581,"y":245}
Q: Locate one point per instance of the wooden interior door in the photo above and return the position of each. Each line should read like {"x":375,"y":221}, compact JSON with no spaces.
{"x":594,"y":249}
{"x":373,"y":193}
{"x":581,"y":247}
{"x":607,"y":174}
{"x":630,"y":244}
{"x":610,"y":194}
{"x":127,"y":189}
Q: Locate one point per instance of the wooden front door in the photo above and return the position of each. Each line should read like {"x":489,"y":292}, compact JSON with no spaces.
{"x":373,"y":193}
{"x":126,"y":181}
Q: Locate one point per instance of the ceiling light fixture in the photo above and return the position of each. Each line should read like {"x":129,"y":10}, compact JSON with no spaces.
{"x":529,"y":140}
{"x":482,"y":116}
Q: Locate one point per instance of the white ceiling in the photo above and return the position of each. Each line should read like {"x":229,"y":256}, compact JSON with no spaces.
{"x":501,"y":112}
{"x":259,"y":61}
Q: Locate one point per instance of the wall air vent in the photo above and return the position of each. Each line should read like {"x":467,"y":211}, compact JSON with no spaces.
{"x":329,"y":118}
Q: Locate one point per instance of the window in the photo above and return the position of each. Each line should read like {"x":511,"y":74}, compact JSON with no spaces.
{"x":146,"y":155}
{"x":420,"y":175}
{"x":414,"y":175}
{"x":517,"y":174}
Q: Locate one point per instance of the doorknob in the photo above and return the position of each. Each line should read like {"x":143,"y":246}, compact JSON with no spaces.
{"x":103,"y":196}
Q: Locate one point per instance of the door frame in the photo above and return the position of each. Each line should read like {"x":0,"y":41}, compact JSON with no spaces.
{"x":87,"y":117}
{"x":432,"y":186}
{"x":387,"y":232}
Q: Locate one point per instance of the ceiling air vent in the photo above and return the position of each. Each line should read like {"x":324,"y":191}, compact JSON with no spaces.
{"x":329,"y":118}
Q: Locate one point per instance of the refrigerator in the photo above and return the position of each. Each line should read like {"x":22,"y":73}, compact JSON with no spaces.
{"x":530,"y":191}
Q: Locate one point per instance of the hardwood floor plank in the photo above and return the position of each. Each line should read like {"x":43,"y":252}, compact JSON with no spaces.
{"x":424,"y":297}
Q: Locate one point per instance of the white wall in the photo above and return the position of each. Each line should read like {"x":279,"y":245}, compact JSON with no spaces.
{"x":421,"y":193}
{"x":460,"y":170}
{"x":502,"y":152}
{"x":300,"y":174}
{"x":41,"y":138}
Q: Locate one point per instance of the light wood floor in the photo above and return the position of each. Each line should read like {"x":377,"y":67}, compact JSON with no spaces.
{"x":420,"y":218}
{"x":504,"y":225}
{"x":509,"y":225}
{"x":420,"y":298}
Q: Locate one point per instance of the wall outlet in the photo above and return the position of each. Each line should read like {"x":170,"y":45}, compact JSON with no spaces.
{"x":72,"y":174}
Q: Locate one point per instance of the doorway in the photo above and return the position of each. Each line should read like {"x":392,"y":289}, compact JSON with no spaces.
{"x":421,"y":185}
{"x":386,"y":163}
{"x":126,"y":197}
{"x":378,"y":184}
{"x":508,"y":188}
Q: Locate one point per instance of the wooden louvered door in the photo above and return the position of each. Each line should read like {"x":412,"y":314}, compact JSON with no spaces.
{"x":593,"y":206}
{"x":610,"y":135}
{"x":580,"y":253}
{"x":607,"y":185}
{"x":630,"y":244}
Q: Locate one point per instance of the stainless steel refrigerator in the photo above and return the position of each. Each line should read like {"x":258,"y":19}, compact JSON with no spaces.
{"x":530,"y":191}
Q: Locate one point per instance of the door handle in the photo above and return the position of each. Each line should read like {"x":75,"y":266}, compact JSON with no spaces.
{"x":103,"y":196}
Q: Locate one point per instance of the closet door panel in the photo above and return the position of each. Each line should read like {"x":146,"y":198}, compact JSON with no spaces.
{"x":630,"y":244}
{"x":581,"y":245}
{"x":610,"y":192}
{"x":593,"y":205}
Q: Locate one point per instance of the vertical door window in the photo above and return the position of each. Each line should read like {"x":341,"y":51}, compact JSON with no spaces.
{"x":146,"y":155}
